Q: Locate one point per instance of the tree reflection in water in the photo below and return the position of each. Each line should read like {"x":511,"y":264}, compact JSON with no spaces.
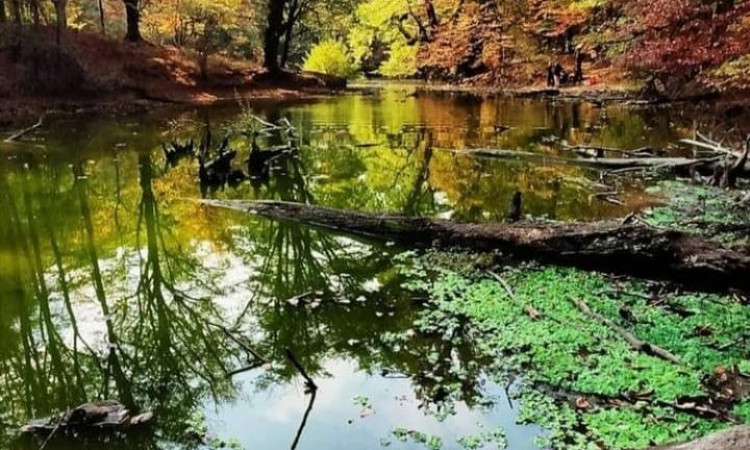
{"x":111,"y":285}
{"x":163,"y":341}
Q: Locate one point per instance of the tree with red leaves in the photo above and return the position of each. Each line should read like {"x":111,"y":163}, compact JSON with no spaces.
{"x":676,"y":41}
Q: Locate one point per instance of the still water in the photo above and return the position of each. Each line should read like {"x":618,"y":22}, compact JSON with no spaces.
{"x":114,"y":284}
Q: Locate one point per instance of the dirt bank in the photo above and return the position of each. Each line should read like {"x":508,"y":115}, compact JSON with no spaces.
{"x":89,"y":72}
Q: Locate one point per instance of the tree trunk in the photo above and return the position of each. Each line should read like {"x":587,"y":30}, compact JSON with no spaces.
{"x":133,"y":15}
{"x":288,"y":30}
{"x":3,"y":16}
{"x":35,"y":16}
{"x":287,"y":43}
{"x":61,"y":17}
{"x":432,"y":19}
{"x":16,"y":5}
{"x":274,"y":30}
{"x":603,"y":246}
{"x":101,"y":18}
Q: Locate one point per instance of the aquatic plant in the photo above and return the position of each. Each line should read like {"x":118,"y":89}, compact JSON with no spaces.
{"x":701,"y":209}
{"x":581,"y":380}
{"x":418,"y":437}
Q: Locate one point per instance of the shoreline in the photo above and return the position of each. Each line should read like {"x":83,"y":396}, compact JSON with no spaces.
{"x":629,"y":94}
{"x":17,"y":111}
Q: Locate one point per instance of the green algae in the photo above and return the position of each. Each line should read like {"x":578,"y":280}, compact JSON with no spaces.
{"x":566,"y":352}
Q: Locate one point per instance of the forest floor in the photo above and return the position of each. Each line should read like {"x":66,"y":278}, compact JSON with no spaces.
{"x":89,"y":72}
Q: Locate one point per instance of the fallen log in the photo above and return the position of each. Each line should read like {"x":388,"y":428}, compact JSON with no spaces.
{"x":629,"y":249}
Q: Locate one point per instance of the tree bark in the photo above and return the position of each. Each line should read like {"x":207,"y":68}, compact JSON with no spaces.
{"x":133,"y":17}
{"x":272,"y":37}
{"x":603,"y":246}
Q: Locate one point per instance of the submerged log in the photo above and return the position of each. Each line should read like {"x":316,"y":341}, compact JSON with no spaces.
{"x":106,"y":414}
{"x":676,"y":164}
{"x":604,"y":246}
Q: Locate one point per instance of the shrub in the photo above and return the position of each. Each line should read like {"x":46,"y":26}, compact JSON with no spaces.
{"x":331,"y":58}
{"x":402,"y":61}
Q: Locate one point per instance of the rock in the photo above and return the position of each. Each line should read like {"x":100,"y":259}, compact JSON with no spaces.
{"x":734,"y":438}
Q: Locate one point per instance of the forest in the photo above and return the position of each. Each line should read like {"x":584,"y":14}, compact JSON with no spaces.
{"x":371,"y":224}
{"x":664,"y":47}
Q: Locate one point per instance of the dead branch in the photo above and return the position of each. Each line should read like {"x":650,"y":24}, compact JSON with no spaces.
{"x":20,"y":134}
{"x":634,"y":342}
{"x":309,"y":383}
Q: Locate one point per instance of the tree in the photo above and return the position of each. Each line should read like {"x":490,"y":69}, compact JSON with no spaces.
{"x":284,"y":16}
{"x":16,"y":5}
{"x":679,"y":40}
{"x":209,"y":36}
{"x":272,"y":35}
{"x":101,"y":18}
{"x":35,"y":13}
{"x":3,"y":17}
{"x":133,"y":17}
{"x":61,"y":16}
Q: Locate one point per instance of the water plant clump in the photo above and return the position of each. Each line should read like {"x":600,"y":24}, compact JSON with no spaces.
{"x":587,"y":384}
{"x":701,"y":209}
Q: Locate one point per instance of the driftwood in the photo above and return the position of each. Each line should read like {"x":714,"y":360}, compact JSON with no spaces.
{"x":630,"y":249}
{"x":634,"y":342}
{"x":590,"y":151}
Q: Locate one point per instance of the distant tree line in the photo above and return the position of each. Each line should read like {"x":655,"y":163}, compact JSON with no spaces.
{"x":658,"y":40}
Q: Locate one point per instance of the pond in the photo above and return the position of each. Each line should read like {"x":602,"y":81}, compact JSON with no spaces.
{"x":115,"y":284}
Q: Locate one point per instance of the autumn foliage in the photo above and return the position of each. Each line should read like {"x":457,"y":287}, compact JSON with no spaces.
{"x":669,"y":43}
{"x":680,"y":40}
